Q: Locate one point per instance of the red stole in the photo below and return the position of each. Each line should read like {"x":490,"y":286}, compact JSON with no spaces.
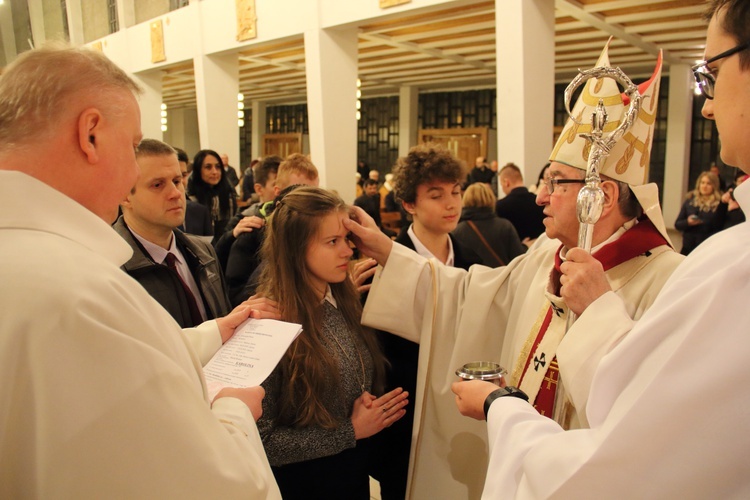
{"x":634,"y":242}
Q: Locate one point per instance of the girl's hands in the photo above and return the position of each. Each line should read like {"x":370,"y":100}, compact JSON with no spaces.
{"x":371,"y":415}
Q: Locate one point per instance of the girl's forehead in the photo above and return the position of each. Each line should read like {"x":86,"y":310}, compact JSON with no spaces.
{"x":332,"y":223}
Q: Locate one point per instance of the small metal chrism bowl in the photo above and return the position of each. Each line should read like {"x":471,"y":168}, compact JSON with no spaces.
{"x":483,"y":370}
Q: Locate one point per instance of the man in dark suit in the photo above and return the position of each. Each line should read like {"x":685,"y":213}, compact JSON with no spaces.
{"x":370,"y":200}
{"x":519,"y":205}
{"x":230,"y":171}
{"x":179,"y":270}
{"x":481,"y":172}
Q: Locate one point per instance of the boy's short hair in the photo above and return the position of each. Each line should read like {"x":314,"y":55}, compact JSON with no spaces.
{"x":512,"y":172}
{"x":425,"y":163}
{"x":295,"y":163}
{"x":264,"y":168}
{"x":370,"y":182}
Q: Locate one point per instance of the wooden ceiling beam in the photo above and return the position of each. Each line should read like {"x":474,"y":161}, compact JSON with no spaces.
{"x":413,"y":47}
{"x":422,"y":18}
{"x":616,"y":4}
{"x":576,"y":9}
{"x":696,"y":10}
{"x":271,"y":62}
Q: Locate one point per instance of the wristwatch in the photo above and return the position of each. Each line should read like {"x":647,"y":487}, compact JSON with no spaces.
{"x":502,"y":392}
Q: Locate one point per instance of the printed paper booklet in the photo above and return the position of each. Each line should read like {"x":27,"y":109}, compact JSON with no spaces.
{"x":249,"y":357}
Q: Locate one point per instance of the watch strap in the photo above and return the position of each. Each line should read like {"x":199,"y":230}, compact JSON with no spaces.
{"x":501,"y":393}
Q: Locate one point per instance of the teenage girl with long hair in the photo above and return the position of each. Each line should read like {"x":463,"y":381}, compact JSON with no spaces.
{"x":319,"y":400}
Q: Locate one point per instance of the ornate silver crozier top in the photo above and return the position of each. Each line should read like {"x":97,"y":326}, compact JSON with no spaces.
{"x":591,"y":197}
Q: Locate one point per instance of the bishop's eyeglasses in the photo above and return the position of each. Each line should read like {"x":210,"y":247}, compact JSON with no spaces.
{"x":552,"y":182}
{"x":704,"y":76}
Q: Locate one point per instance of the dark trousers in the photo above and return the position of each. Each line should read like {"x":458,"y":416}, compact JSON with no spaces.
{"x":389,"y":449}
{"x":337,"y":477}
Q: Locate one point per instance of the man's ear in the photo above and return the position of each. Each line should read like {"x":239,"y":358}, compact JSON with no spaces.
{"x":126,"y":202}
{"x":409,"y":207}
{"x":611,"y":196}
{"x":258,"y":188}
{"x":89,"y":127}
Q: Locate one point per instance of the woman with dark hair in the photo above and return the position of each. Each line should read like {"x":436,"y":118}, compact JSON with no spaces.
{"x":210,"y":188}
{"x":703,"y":213}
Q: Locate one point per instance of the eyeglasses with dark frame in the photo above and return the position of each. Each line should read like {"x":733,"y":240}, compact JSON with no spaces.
{"x":551,"y":183}
{"x":704,"y":75}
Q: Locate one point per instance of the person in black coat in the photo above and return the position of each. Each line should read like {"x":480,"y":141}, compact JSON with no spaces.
{"x":481,"y":172}
{"x":370,"y":200}
{"x":703,"y":213}
{"x":519,"y":206}
{"x":494,"y":238}
{"x":190,"y":286}
{"x":229,"y":171}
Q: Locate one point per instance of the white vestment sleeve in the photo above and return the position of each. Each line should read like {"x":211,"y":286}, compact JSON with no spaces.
{"x":668,"y":408}
{"x":205,"y":340}
{"x":103,"y":395}
{"x":396,"y":301}
{"x":513,"y":428}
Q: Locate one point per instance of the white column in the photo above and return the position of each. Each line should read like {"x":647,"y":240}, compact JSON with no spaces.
{"x":525,"y":50}
{"x":150,"y":103}
{"x":7,"y":32}
{"x":331,"y":64}
{"x":75,"y":21}
{"x":36,"y":18}
{"x":216,"y":87}
{"x":183,"y":130}
{"x":408,"y":111}
{"x":126,"y":13}
{"x":258,"y":129}
{"x":677,"y":157}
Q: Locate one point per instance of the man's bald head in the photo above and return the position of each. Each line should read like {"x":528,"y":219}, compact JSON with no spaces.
{"x":42,"y":85}
{"x":71,"y":106}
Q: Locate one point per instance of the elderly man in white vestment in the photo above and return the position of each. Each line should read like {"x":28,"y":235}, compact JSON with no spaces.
{"x":668,"y":411}
{"x":103,"y":395}
{"x":516,"y":315}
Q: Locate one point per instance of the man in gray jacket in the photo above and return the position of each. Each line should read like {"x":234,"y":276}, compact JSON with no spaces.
{"x":179,"y":270}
